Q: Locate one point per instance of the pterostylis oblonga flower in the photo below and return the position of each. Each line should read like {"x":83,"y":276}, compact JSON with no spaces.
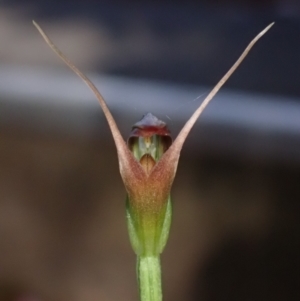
{"x":148,"y":163}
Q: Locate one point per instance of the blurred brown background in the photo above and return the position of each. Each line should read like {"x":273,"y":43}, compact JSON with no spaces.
{"x":235,"y":234}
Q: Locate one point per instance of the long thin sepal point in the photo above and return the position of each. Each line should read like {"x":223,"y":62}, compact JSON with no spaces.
{"x":189,"y":124}
{"x":126,"y":160}
{"x":87,"y":81}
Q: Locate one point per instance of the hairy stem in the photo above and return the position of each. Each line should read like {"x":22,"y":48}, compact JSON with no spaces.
{"x":149,"y":277}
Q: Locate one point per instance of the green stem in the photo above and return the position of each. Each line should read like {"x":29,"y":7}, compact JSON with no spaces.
{"x":149,"y":277}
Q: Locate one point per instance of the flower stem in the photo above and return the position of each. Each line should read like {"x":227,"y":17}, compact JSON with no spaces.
{"x":149,"y":277}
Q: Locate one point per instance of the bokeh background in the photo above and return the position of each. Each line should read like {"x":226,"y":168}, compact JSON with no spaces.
{"x":235,"y":234}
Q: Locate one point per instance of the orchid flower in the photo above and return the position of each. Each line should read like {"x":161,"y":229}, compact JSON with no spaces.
{"x":148,"y":164}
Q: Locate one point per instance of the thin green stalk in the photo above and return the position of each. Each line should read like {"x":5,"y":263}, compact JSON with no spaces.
{"x":149,"y":277}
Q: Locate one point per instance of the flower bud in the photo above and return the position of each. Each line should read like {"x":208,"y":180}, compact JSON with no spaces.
{"x":148,"y":218}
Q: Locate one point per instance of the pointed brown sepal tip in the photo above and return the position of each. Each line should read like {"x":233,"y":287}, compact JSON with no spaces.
{"x":130,"y":169}
{"x":164,"y":171}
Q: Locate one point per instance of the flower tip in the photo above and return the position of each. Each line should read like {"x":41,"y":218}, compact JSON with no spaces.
{"x":150,"y":125}
{"x":149,"y":135}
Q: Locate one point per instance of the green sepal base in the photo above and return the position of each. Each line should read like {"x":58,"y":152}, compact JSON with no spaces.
{"x":148,"y":232}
